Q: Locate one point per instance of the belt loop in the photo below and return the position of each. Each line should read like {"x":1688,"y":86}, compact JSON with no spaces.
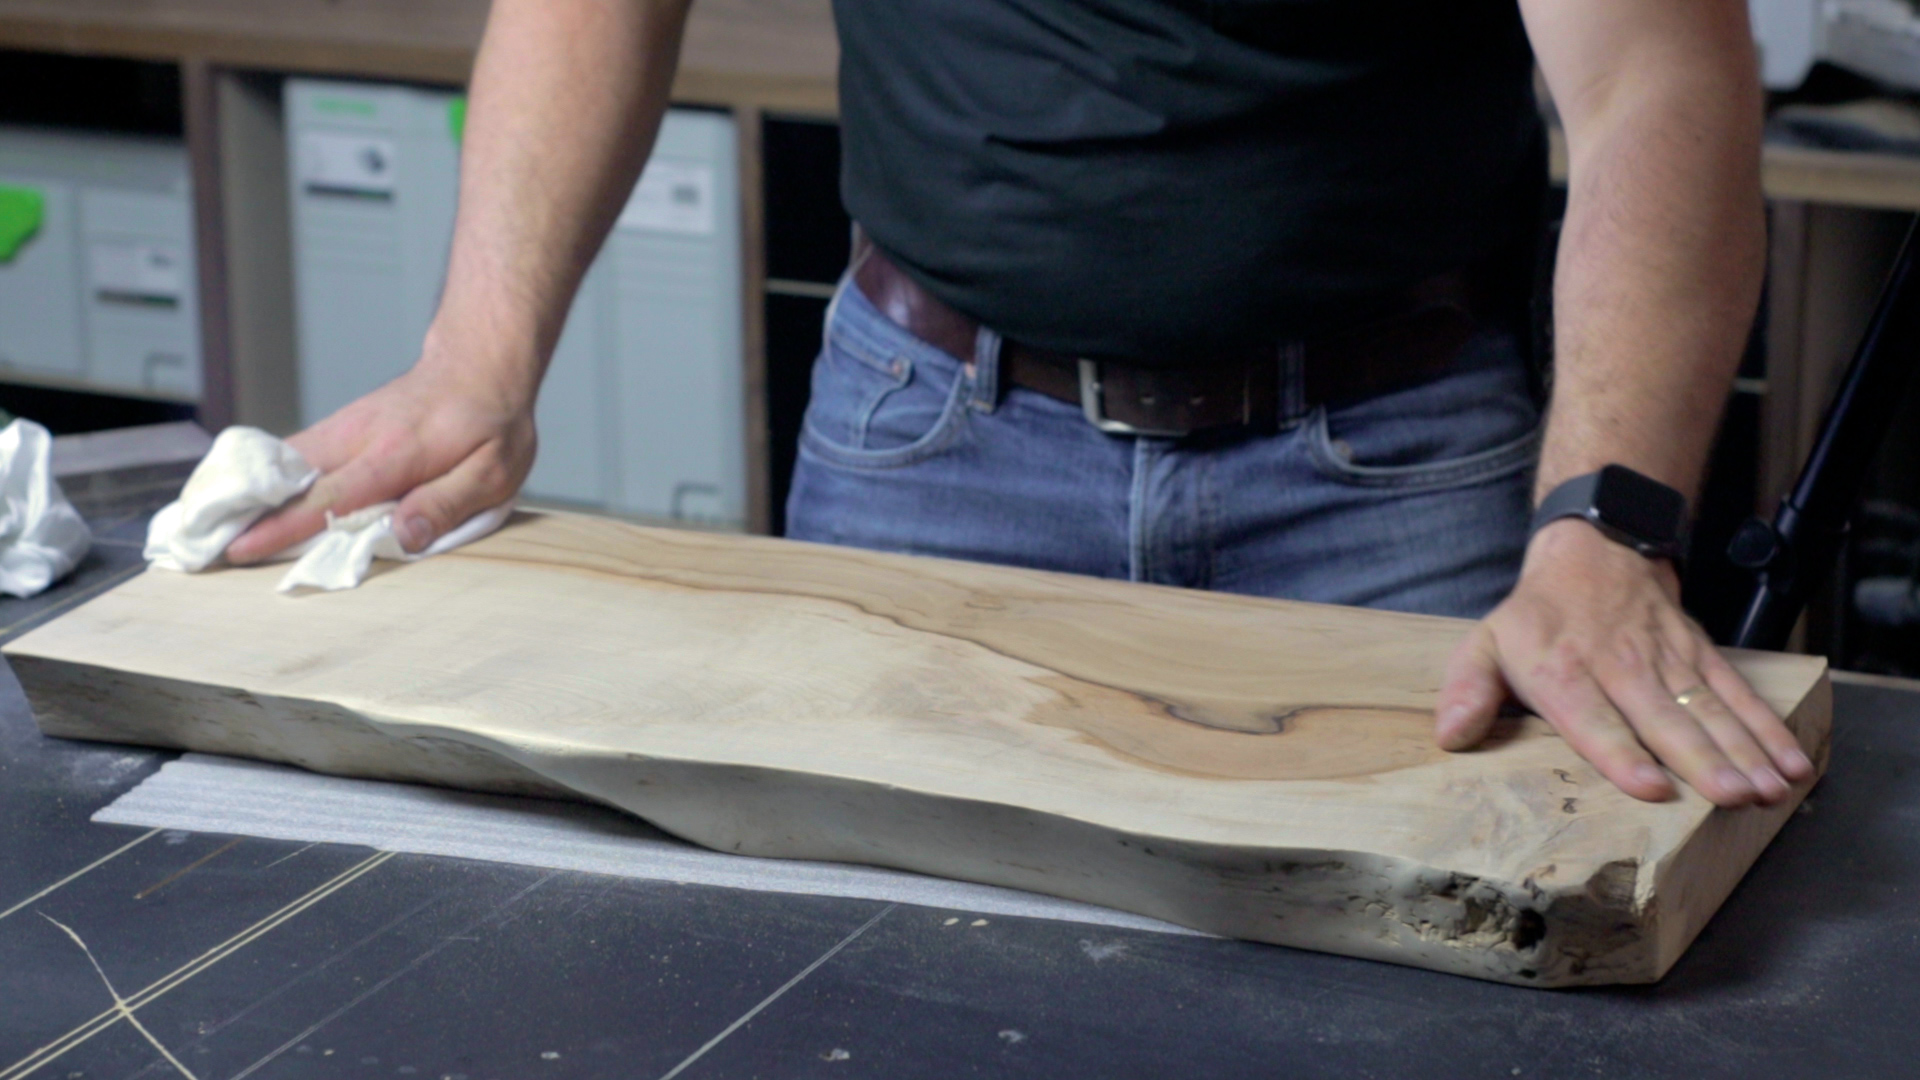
{"x":833,"y":306}
{"x":1293,"y":383}
{"x":986,"y":370}
{"x":859,"y":248}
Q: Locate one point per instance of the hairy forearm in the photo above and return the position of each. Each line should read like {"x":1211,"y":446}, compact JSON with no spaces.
{"x":565,"y":101}
{"x":1660,"y":268}
{"x":1660,"y":265}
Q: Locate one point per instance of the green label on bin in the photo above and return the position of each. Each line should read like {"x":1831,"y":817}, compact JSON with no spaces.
{"x":457,"y":117}
{"x":20,"y":212}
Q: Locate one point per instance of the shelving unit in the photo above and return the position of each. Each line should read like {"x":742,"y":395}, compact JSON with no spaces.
{"x":769,"y":65}
{"x":742,"y":58}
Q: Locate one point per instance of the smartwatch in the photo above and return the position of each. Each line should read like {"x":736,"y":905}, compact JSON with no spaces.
{"x":1628,"y":508}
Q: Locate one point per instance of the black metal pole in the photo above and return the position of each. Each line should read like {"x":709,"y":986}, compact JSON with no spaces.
{"x":1795,"y":553}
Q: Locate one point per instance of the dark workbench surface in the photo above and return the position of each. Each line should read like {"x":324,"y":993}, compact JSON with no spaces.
{"x":248,"y":957}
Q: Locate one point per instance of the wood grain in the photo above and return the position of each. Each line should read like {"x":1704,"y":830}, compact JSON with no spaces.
{"x":1247,"y":767}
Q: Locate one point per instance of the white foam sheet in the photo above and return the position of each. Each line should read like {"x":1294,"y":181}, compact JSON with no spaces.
{"x":207,"y":793}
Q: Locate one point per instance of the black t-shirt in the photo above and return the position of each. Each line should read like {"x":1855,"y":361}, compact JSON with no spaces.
{"x":1162,"y":178}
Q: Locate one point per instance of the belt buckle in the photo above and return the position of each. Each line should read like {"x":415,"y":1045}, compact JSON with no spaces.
{"x":1094,"y":406}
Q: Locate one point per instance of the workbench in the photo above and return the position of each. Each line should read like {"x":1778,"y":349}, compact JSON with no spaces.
{"x":282,"y":959}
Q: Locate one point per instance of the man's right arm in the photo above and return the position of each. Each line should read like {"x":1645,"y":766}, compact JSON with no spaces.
{"x":566,"y":98}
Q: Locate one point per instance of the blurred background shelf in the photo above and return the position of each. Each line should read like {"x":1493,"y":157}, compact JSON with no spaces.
{"x":214,"y":77}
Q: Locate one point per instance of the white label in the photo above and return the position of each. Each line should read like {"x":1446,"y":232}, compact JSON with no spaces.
{"x":672,"y":197}
{"x":145,"y":271}
{"x":357,"y":164}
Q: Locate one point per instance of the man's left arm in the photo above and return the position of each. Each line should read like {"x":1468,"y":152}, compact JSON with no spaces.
{"x":1660,"y":264}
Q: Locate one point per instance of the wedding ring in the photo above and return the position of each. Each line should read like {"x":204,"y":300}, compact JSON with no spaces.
{"x":1685,"y":698}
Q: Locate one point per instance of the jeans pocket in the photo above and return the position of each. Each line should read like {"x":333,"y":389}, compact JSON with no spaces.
{"x":1461,"y":430}
{"x":875,"y":406}
{"x":1334,"y":458}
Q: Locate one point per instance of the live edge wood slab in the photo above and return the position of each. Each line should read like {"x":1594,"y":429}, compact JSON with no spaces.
{"x":1248,"y":767}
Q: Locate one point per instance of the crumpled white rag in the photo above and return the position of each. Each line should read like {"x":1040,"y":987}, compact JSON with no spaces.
{"x":249,"y":472}
{"x":340,"y":557}
{"x":42,"y":536}
{"x":246,"y":473}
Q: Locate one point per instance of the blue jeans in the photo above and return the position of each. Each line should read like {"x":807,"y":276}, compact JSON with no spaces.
{"x":1415,"y":500}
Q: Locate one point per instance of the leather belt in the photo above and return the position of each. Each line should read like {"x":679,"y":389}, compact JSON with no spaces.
{"x":1260,"y":388}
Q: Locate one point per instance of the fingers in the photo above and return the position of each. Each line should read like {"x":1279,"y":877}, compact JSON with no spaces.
{"x":273,"y":534}
{"x":1562,"y":689}
{"x":485,"y":479}
{"x":1470,"y":698}
{"x":1716,"y":758}
{"x":330,"y":443}
{"x":441,"y":442}
{"x":1759,"y":717}
{"x":1668,"y":689}
{"x":1681,"y":674}
{"x":375,"y":476}
{"x":1594,"y":640}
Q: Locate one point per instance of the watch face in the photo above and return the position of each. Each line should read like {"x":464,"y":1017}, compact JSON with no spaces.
{"x":1644,"y":509}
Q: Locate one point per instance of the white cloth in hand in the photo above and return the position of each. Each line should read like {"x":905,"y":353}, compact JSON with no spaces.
{"x":340,"y":557}
{"x":248,"y":473}
{"x":42,"y":536}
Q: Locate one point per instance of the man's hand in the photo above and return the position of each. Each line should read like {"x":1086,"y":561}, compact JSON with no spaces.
{"x":446,"y":443}
{"x":1594,"y":641}
{"x":566,"y":98}
{"x":1659,"y":269}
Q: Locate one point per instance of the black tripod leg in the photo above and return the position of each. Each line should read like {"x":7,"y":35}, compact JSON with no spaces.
{"x":1795,"y":552}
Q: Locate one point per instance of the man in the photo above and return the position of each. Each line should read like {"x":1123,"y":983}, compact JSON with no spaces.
{"x":1196,"y":291}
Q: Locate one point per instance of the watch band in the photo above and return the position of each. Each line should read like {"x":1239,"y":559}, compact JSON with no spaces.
{"x":1627,"y":507}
